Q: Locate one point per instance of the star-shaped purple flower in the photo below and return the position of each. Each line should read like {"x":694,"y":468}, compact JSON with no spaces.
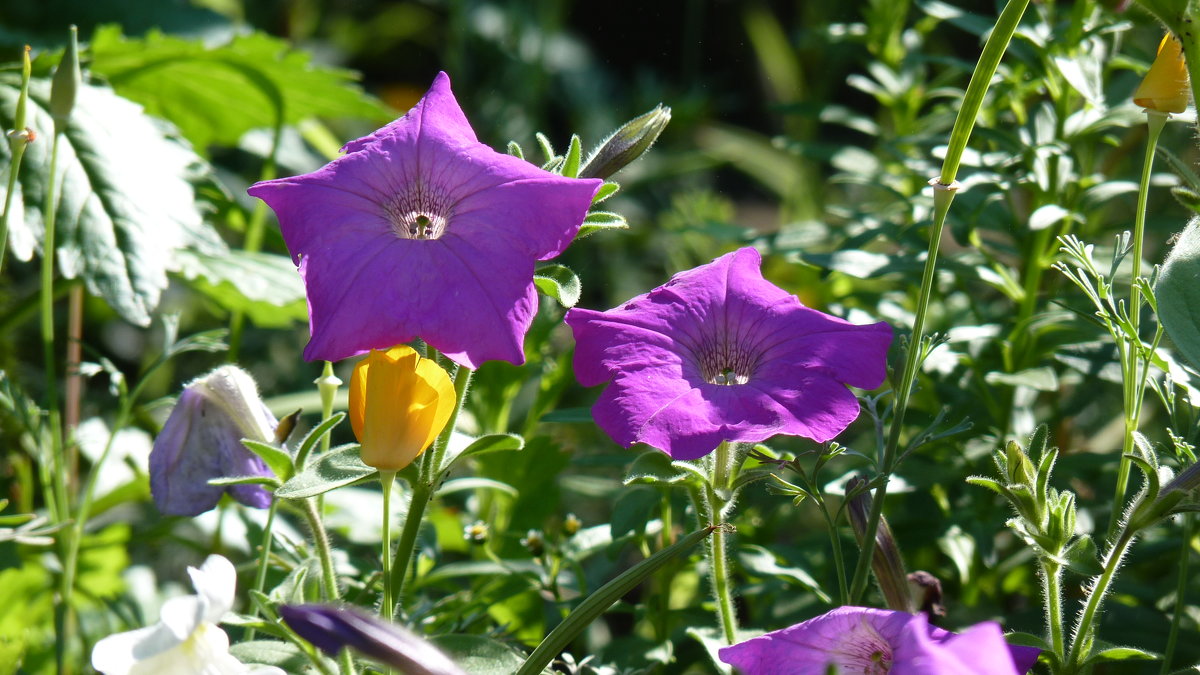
{"x":420,"y":230}
{"x":721,"y":354}
{"x":865,"y":641}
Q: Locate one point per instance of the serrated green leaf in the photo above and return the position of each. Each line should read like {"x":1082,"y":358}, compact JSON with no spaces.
{"x":1178,"y":293}
{"x":334,"y":469}
{"x":560,"y":283}
{"x":263,"y":286}
{"x":127,"y":196}
{"x":217,"y":94}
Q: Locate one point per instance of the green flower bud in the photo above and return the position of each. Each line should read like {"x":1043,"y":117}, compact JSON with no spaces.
{"x":627,"y":143}
{"x":67,"y":80}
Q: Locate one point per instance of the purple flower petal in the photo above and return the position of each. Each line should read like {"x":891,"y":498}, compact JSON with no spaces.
{"x":720,"y":354}
{"x":421,"y":231}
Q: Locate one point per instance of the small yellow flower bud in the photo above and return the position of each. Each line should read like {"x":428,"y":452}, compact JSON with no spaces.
{"x":399,"y":403}
{"x":1165,"y":87}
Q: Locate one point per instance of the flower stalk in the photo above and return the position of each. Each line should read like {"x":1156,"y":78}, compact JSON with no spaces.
{"x":944,"y":189}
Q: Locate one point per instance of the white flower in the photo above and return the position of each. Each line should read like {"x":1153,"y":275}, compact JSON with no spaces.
{"x":186,"y":640}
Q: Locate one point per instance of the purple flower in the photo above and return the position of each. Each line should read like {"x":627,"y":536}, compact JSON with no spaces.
{"x":331,"y":629}
{"x":865,"y":641}
{"x":202,"y":440}
{"x":419,"y":230}
{"x":720,"y":354}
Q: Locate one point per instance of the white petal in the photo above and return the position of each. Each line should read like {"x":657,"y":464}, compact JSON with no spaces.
{"x":215,"y":581}
{"x":206,"y":652}
{"x":183,"y":615}
{"x":119,"y":654}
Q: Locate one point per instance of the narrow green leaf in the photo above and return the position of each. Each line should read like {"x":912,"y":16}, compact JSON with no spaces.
{"x":313,"y":437}
{"x":601,"y":220}
{"x":475,"y":483}
{"x":277,"y":459}
{"x":655,"y":467}
{"x":604,"y":597}
{"x":606,"y":190}
{"x":547,"y":149}
{"x":1121,"y":654}
{"x":337,"y":468}
{"x":515,"y":150}
{"x":1026,"y":640}
{"x":246,"y":480}
{"x":560,"y":283}
{"x":570,"y":167}
{"x":488,"y":444}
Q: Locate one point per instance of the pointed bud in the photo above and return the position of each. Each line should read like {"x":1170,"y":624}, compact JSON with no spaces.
{"x":1165,"y":88}
{"x":399,"y":403}
{"x":1020,"y":468}
{"x":202,"y":440}
{"x":627,"y":143}
{"x":887,"y":564}
{"x":66,"y":84}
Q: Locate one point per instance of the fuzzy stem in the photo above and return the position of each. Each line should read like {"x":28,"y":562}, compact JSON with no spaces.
{"x":1082,"y":640}
{"x":1052,"y":589}
{"x":1185,"y":554}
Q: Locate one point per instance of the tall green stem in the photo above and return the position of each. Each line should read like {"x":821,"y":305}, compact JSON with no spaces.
{"x":1133,"y":388}
{"x":943,"y":194}
{"x":260,"y":576}
{"x":711,"y":506}
{"x":1052,"y":589}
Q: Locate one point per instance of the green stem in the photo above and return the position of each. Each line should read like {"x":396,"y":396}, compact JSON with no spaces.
{"x":329,"y":585}
{"x":386,"y":480}
{"x":17,"y":147}
{"x":1185,"y":554}
{"x":260,"y":577}
{"x":712,"y":509}
{"x":1052,"y":587}
{"x":431,"y":470}
{"x":944,"y":189}
{"x":835,"y":545}
{"x":1082,"y":640}
{"x":1132,"y":388}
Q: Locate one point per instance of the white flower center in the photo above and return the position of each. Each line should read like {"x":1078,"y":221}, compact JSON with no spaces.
{"x":420,"y":212}
{"x":862,"y":652}
{"x":726,"y":363}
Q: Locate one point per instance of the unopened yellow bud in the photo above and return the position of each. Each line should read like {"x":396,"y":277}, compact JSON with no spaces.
{"x":1165,"y":87}
{"x":399,"y":403}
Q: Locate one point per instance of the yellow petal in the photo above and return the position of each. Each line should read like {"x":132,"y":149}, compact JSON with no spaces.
{"x":1165,"y":87}
{"x":399,"y":403}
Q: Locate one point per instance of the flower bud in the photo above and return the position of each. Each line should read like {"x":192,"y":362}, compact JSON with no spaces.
{"x":476,"y":532}
{"x":572,"y":525}
{"x":202,"y":440}
{"x":626,"y":144}
{"x":67,"y":81}
{"x":534,"y":542}
{"x":1165,"y":88}
{"x":399,"y":403}
{"x":887,"y":563}
{"x":332,"y":629}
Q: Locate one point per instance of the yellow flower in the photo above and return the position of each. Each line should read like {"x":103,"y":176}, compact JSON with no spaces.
{"x":399,"y":403}
{"x":1165,"y":87}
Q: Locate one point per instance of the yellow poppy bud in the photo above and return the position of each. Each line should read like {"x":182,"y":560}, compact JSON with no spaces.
{"x":1165,"y":87}
{"x":399,"y":403}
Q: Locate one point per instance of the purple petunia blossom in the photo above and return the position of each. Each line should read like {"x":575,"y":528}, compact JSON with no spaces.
{"x":202,"y":440}
{"x":419,"y":230}
{"x":865,"y":641}
{"x":720,"y":354}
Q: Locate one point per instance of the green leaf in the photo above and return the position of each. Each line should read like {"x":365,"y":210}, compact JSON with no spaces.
{"x":1083,"y":558}
{"x":1121,"y":654}
{"x":570,"y":167}
{"x":558,"y":282}
{"x":1178,"y":292}
{"x":655,"y":467}
{"x":1026,"y":640}
{"x":1041,"y":379}
{"x":277,"y":459}
{"x":337,"y":468}
{"x":601,"y":220}
{"x":603,"y":598}
{"x":264,"y":287}
{"x":475,"y":483}
{"x":479,"y":655}
{"x":271,"y":653}
{"x":606,"y":190}
{"x":633,"y":509}
{"x":216,"y":94}
{"x":758,"y":561}
{"x":127,"y":201}
{"x":270,"y":481}
{"x":487,"y":444}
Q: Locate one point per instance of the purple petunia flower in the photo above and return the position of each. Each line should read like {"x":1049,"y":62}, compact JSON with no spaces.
{"x":721,"y":354}
{"x":419,"y":230}
{"x":202,"y":440}
{"x":865,"y":641}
